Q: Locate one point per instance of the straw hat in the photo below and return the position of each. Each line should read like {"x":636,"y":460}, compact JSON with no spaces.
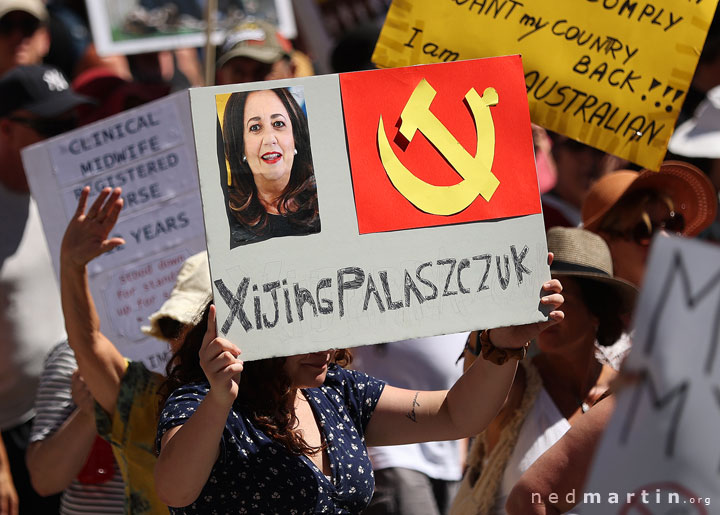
{"x":583,"y":254}
{"x":189,"y":296}
{"x":692,"y":193}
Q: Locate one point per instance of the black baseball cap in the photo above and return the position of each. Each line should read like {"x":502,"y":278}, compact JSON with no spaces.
{"x":42,"y":90}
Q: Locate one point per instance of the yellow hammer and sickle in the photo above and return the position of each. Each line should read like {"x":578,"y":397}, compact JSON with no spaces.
{"x":476,"y":172}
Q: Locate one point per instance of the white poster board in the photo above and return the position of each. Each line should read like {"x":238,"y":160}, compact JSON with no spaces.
{"x":139,"y":26}
{"x":149,"y":152}
{"x":340,"y":286}
{"x":661,"y":451}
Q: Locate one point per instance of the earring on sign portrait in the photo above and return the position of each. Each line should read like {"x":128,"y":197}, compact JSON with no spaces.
{"x":294,"y":151}
{"x":244,"y":158}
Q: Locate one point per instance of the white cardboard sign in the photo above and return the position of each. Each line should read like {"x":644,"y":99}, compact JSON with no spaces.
{"x":661,"y":452}
{"x":337,"y":287}
{"x":149,"y":152}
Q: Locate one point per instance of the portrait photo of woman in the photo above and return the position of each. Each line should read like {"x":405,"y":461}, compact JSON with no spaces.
{"x":271,"y":189}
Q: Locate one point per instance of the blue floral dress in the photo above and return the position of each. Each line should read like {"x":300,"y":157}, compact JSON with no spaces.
{"x":254,"y":474}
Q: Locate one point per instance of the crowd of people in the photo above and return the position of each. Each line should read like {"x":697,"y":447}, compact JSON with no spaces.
{"x":86,"y":430}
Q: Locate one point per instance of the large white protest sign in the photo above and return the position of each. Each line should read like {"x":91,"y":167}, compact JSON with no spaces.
{"x":149,"y":152}
{"x":140,"y":26}
{"x":661,"y":452}
{"x":390,"y":230}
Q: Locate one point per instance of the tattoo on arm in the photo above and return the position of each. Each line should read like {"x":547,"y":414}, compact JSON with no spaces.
{"x":411,"y":414}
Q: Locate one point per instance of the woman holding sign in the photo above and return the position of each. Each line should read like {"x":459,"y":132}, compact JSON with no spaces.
{"x":280,"y":435}
{"x":289,"y":435}
{"x":271,"y":184}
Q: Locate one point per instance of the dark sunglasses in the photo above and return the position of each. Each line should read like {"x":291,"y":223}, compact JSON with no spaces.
{"x":25,"y":23}
{"x":47,"y":127}
{"x":642,"y":232}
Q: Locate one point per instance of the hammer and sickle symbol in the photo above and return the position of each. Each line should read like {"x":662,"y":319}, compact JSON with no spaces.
{"x":476,"y":172}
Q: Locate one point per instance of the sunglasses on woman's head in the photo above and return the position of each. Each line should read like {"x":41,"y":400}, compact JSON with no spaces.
{"x":643,"y":231}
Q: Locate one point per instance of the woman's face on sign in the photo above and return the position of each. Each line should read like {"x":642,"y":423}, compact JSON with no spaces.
{"x":268,"y":135}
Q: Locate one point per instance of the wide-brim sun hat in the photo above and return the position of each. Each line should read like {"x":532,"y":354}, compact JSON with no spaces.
{"x":583,"y":254}
{"x":189,"y":297}
{"x":692,"y":193}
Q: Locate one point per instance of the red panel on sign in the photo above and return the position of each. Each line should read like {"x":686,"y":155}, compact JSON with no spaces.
{"x":401,"y":181}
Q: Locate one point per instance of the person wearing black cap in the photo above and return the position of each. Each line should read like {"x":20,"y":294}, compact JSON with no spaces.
{"x":36,"y":103}
{"x":24,"y":37}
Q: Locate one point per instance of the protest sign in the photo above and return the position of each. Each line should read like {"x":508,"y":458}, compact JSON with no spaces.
{"x":407,"y":214}
{"x":139,"y":26}
{"x":610,"y":73}
{"x":660,"y":452}
{"x":148,"y":151}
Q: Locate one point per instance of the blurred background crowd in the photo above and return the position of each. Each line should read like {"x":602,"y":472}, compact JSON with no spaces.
{"x":53,"y":80}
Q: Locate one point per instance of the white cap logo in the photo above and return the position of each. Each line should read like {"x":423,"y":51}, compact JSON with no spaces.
{"x":55,"y":80}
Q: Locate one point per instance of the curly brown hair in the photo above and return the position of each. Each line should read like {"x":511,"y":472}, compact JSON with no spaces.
{"x":298,"y":202}
{"x":265,"y":389}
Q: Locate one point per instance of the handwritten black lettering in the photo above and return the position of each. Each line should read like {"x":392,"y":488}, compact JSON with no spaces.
{"x":531,"y":21}
{"x":288,"y":308}
{"x":678,"y":272}
{"x":391,"y":304}
{"x":504,"y":279}
{"x":324,"y":305}
{"x":452,"y":262}
{"x":488,"y":262}
{"x":410,"y":286}
{"x":657,"y":403}
{"x":302,"y":297}
{"x":235,"y":303}
{"x":464,"y":263}
{"x":272,"y":289}
{"x":433,"y":289}
{"x":342,"y":285}
{"x":372,"y":290}
{"x":520,"y":269}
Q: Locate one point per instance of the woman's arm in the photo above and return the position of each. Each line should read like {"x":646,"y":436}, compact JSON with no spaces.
{"x":55,"y":461}
{"x":86,"y":237}
{"x":563,"y":468}
{"x":189,"y":451}
{"x":406,"y":416}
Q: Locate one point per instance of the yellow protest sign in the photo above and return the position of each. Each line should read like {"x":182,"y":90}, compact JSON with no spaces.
{"x":610,"y":73}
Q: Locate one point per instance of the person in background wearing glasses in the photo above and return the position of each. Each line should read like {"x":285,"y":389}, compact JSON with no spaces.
{"x":627,"y":208}
{"x":35,"y":103}
{"x":24,"y":37}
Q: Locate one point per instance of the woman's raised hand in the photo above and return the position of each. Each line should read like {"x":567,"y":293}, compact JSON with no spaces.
{"x":219,"y":360}
{"x":86,"y":236}
{"x":517,"y":336}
